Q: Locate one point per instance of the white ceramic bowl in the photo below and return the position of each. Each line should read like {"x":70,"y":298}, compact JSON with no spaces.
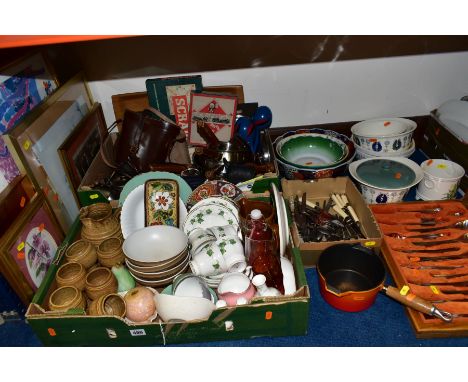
{"x":154,"y":244}
{"x":386,"y":135}
{"x":362,"y":153}
{"x":172,"y":307}
{"x":374,"y":194}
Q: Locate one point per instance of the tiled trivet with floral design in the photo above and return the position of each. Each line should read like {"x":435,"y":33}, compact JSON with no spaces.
{"x":161,"y":202}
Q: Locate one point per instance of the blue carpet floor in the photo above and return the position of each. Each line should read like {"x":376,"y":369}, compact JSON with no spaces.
{"x":384,"y":324}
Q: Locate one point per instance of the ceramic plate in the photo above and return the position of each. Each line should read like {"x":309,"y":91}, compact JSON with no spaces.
{"x":209,"y":216}
{"x":282,"y":219}
{"x":218,"y":201}
{"x":215,"y":188}
{"x":184,"y":188}
{"x":132,"y":217}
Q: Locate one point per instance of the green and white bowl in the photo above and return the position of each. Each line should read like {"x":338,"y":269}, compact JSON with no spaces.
{"x":290,"y":171}
{"x":311,"y":150}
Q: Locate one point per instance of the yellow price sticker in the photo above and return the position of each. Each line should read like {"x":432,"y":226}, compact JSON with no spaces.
{"x":442,"y":166}
{"x":20,"y":246}
{"x":434,"y":289}
{"x":94,"y":196}
{"x":370,"y":244}
{"x":404,"y":291}
{"x":27,"y":144}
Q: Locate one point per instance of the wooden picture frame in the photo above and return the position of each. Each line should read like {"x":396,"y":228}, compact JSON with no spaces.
{"x":81,"y":147}
{"x":28,"y":248}
{"x":30,"y":143}
{"x":25,"y":84}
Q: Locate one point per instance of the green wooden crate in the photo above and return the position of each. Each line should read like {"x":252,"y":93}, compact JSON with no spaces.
{"x":274,"y":316}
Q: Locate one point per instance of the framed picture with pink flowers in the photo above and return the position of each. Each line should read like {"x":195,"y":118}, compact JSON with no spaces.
{"x":28,"y":248}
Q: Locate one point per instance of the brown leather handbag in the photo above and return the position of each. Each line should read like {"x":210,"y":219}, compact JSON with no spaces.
{"x":145,"y":139}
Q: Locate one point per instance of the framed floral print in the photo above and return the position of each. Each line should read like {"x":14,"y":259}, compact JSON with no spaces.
{"x":28,"y":248}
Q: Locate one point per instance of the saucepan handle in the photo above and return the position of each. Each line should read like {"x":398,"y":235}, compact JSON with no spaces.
{"x":417,"y":303}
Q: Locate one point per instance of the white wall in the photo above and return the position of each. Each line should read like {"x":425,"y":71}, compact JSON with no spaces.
{"x":335,"y":91}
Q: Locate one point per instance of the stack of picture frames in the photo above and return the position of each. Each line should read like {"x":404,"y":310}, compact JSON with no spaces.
{"x":29,"y":231}
{"x":42,"y":140}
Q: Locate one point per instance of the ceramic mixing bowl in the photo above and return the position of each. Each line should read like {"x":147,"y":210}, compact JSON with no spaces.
{"x":180,"y":308}
{"x":387,"y":135}
{"x":311,"y":150}
{"x":153,"y":245}
{"x":386,"y":179}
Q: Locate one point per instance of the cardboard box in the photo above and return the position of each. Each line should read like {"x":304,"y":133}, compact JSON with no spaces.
{"x":439,"y":142}
{"x":270,"y":316}
{"x":320,"y":190}
{"x":98,"y":170}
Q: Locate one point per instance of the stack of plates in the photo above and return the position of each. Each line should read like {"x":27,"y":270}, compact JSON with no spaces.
{"x":211,"y":212}
{"x":155,"y":255}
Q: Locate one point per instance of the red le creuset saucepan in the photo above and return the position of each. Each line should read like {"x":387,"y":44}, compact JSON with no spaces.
{"x":351,"y":276}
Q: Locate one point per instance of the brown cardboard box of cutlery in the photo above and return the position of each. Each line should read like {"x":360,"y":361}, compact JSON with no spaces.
{"x":319,"y":191}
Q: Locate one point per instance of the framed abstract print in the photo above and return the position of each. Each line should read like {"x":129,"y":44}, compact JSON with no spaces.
{"x":24,"y":84}
{"x":28,"y":248}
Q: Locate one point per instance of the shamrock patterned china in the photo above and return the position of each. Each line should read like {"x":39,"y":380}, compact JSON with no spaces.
{"x":223,"y":255}
{"x":208,"y":216}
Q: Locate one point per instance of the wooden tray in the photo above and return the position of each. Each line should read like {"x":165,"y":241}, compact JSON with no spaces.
{"x":139,"y":101}
{"x":424,"y":326}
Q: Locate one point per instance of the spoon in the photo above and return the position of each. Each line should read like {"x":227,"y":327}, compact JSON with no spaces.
{"x":463,"y":224}
{"x":461,"y":239}
{"x":428,"y":250}
{"x":443,"y":258}
{"x":396,"y":235}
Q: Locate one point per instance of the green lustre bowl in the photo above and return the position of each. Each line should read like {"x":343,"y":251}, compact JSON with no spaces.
{"x":312,"y":151}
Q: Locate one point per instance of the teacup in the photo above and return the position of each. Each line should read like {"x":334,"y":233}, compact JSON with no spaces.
{"x":198,"y":238}
{"x":223,"y":255}
{"x":234,"y":287}
{"x":223,"y":231}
